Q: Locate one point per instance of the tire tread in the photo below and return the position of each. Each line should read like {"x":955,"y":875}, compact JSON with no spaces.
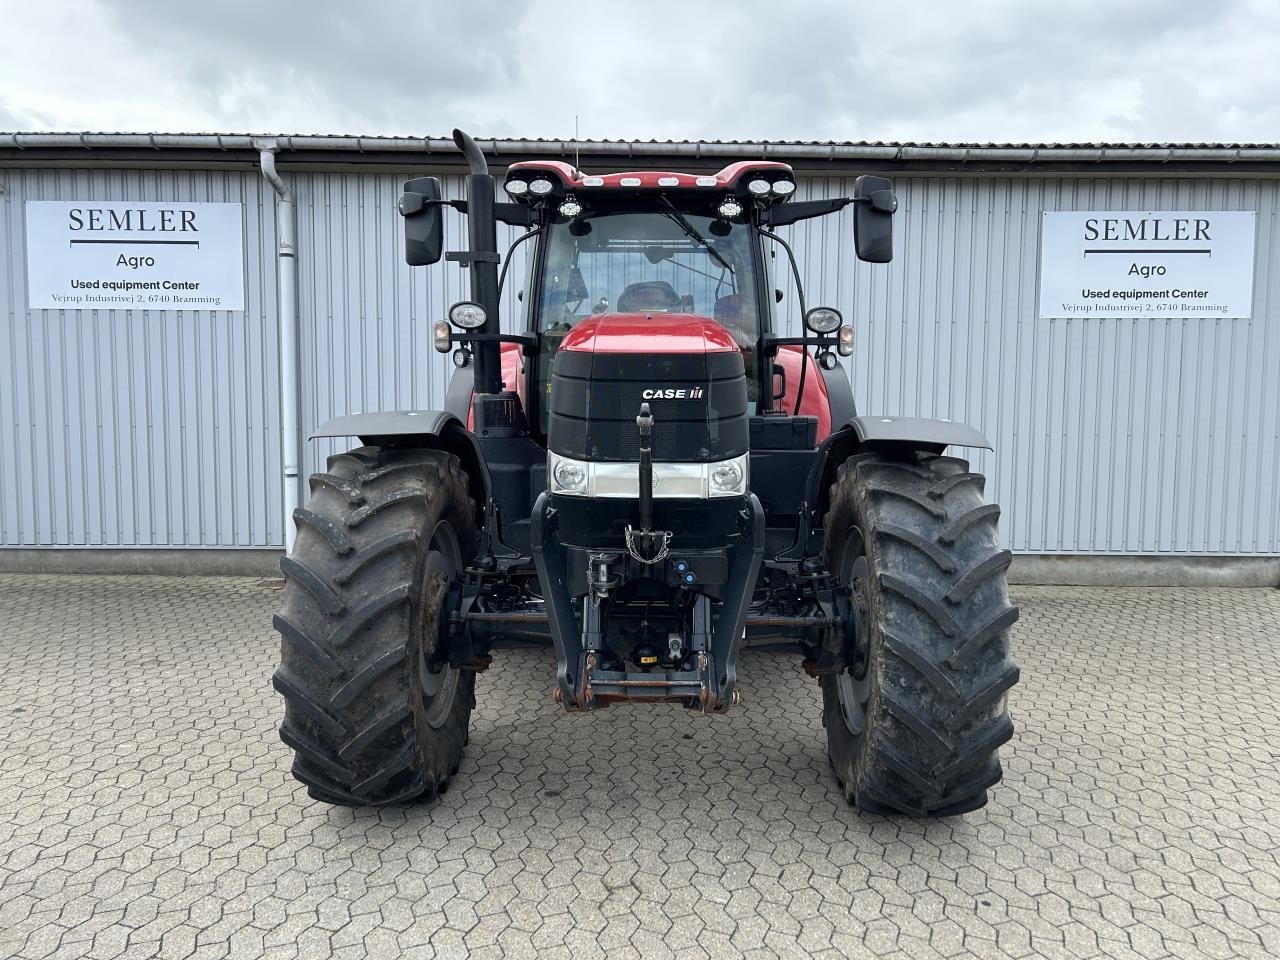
{"x":940,"y":610}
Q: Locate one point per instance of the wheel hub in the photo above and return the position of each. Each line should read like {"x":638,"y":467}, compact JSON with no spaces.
{"x":437,"y":678}
{"x":853,"y":685}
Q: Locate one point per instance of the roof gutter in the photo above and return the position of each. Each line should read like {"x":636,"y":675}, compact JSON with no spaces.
{"x":962,"y":154}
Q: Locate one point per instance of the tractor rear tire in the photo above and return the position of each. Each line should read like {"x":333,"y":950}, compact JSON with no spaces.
{"x":915,"y":722}
{"x":371,"y":713}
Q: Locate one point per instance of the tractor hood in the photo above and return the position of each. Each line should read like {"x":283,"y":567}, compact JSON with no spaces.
{"x":687,"y":368}
{"x":649,"y":333}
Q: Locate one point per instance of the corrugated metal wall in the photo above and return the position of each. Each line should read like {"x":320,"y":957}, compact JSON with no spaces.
{"x":1112,"y":436}
{"x":139,"y":427}
{"x":1139,"y":436}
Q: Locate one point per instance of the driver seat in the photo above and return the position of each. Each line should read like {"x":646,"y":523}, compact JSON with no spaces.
{"x":648,"y":295}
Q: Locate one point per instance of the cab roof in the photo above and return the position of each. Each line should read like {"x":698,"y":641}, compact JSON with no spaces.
{"x":566,"y":178}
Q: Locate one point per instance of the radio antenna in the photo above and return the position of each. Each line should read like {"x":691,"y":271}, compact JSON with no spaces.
{"x":577,"y":172}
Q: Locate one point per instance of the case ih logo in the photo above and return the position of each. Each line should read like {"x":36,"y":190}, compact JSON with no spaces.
{"x":672,"y":393}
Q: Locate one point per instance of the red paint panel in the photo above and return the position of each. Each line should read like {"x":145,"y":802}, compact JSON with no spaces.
{"x":649,"y":333}
{"x":816,"y":402}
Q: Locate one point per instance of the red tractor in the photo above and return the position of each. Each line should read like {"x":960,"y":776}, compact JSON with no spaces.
{"x":649,"y":478}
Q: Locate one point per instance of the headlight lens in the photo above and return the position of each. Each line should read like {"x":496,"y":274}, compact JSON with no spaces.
{"x":541,"y":187}
{"x":760,"y":187}
{"x":467,"y":315}
{"x":783,"y":187}
{"x":823,"y":320}
{"x":726,"y":477}
{"x":570,"y":208}
{"x":517,"y":188}
{"x":570,"y":475}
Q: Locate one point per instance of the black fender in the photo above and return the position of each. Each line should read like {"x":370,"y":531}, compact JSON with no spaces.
{"x":916,"y":432}
{"x":862,"y":434}
{"x":437,"y":429}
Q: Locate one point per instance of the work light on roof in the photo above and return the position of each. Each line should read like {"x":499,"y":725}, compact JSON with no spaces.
{"x":570,"y":208}
{"x":783,"y":188}
{"x":760,"y":187}
{"x":517,"y":188}
{"x":729,"y":208}
{"x":541,"y":187}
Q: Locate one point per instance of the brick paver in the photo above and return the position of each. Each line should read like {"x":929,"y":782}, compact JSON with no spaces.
{"x":146,"y":807}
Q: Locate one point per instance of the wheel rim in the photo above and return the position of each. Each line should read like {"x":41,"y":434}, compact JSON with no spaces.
{"x":438,"y":681}
{"x":853,"y":685}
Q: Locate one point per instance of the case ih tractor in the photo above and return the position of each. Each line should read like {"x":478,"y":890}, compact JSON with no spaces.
{"x":650,"y":478}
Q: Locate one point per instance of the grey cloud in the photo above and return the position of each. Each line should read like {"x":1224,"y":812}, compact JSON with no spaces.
{"x":981,"y":70}
{"x":374,"y":64}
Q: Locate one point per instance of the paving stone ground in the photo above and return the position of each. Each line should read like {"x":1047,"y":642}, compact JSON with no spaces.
{"x":146,"y":807}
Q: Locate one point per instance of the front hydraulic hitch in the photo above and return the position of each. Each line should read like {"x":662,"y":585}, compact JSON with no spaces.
{"x":647,"y":546}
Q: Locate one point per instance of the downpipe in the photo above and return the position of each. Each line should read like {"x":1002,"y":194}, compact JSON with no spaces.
{"x":287,"y":304}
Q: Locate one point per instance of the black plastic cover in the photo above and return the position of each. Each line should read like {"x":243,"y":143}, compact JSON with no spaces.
{"x":698,"y":401}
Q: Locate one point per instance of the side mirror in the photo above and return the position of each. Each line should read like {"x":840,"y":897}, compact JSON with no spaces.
{"x":423,"y":223}
{"x":874,"y":205}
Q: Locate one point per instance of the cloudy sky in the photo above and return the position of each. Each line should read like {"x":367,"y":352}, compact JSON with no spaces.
{"x":956,"y":70}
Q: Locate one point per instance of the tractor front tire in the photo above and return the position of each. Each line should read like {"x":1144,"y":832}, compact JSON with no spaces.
{"x":914,"y":723}
{"x":373,"y":713}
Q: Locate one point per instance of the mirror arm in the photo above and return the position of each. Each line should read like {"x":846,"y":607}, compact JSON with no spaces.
{"x":789,"y":213}
{"x":514,"y":214}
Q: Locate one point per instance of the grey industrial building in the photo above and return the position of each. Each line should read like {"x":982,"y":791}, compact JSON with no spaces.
{"x":1126,"y":446}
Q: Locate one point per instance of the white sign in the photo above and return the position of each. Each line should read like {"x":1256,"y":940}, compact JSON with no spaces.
{"x":134,"y":255}
{"x":1182,"y":263}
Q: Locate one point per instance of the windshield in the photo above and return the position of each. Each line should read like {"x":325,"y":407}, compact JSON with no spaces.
{"x":661,"y":261}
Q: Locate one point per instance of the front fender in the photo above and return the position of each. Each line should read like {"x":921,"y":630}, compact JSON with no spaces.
{"x":916,"y":430}
{"x":439,"y":429}
{"x":863,"y":433}
{"x":398,"y":423}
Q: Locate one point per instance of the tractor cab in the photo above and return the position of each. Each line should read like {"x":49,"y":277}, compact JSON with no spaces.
{"x":657,"y":247}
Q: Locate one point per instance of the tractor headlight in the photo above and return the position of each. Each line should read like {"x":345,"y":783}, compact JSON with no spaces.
{"x":570,"y":208}
{"x":760,"y":187}
{"x":726,"y":477}
{"x":517,"y":188}
{"x":671,"y":481}
{"x":467,"y":315}
{"x":541,"y":187}
{"x":783,"y":188}
{"x":569,"y":476}
{"x":823,"y":320}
